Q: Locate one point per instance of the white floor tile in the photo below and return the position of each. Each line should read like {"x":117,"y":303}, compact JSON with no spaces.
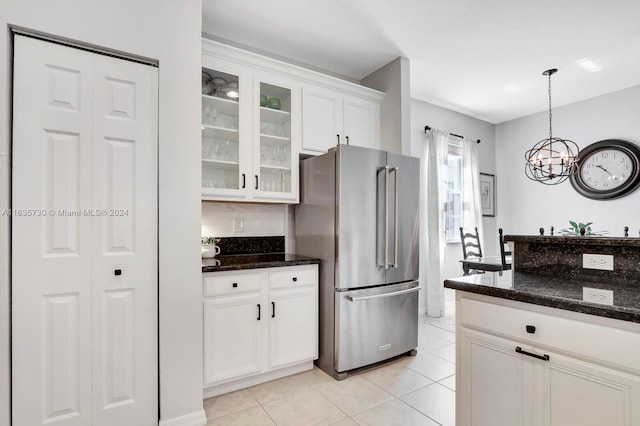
{"x":354,"y":394}
{"x":396,"y":379}
{"x":449,"y":382}
{"x":255,"y":416}
{"x":435,"y":401}
{"x":431,"y":366}
{"x":229,"y":403}
{"x":447,"y":352}
{"x":304,"y":408}
{"x":393,"y":413}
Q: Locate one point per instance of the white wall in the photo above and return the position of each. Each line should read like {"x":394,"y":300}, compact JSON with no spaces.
{"x":423,"y":114}
{"x":168,"y":31}
{"x":528,"y":205}
{"x":393,"y":79}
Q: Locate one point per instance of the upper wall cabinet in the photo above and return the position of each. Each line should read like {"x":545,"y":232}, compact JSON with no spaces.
{"x":250,"y":131}
{"x":260,"y":114}
{"x":331,"y":117}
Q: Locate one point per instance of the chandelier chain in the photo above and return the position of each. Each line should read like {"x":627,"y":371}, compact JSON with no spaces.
{"x":550,"y":135}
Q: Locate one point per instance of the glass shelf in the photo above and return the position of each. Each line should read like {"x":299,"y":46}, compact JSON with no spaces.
{"x":275,"y":116}
{"x":214,"y":132}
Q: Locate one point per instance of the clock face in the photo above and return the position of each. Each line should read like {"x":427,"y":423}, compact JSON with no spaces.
{"x":607,"y":169}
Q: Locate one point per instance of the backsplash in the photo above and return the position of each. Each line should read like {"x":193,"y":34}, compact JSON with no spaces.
{"x":251,"y":245}
{"x":232,"y":220}
{"x":242,"y":219}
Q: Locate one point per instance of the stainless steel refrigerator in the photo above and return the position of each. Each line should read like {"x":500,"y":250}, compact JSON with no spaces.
{"x":359,"y":214}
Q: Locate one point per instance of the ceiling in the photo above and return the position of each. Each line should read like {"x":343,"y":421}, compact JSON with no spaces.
{"x":481,"y":58}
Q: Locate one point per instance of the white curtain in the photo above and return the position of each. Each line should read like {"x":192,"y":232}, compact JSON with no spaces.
{"x":432,"y":203}
{"x":471,"y":202}
{"x":434,"y":163}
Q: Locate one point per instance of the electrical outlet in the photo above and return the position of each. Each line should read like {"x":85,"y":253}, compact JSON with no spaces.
{"x":597,"y":261}
{"x":597,"y":295}
{"x":238,"y":224}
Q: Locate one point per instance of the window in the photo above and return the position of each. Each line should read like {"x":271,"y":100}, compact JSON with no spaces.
{"x":453,"y":191}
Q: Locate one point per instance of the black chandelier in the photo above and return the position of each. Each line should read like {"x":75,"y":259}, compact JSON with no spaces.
{"x":551,"y":161}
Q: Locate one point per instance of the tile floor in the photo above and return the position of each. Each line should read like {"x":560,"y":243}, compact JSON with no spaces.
{"x":409,"y":391}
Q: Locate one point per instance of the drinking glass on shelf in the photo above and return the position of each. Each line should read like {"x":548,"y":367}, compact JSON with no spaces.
{"x":263,"y":155}
{"x":275,"y":152}
{"x":206,"y":115}
{"x":284,"y":156}
{"x":226,"y":151}
{"x":206,"y":150}
{"x":215,"y":151}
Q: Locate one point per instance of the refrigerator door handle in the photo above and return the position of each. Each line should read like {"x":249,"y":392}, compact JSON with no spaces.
{"x":395,"y":170}
{"x":379,"y":296}
{"x":385,"y":265}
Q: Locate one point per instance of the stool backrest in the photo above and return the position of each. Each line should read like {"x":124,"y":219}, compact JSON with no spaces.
{"x":470,"y":244}
{"x":504,"y":250}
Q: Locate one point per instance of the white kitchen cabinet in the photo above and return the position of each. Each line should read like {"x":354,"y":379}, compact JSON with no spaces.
{"x":259,"y":325}
{"x":293,"y":324}
{"x":249,"y":150}
{"x":330,"y":117}
{"x":556,"y":377}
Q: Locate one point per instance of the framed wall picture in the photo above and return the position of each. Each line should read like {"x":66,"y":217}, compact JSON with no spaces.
{"x":488,"y":194}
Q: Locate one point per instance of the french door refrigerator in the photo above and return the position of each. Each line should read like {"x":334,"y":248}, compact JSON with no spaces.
{"x":359,"y":214}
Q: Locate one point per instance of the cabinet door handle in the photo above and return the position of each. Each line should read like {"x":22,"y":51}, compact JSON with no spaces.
{"x":244,"y":180}
{"x":273,"y":309}
{"x":256,"y":181}
{"x":544,"y":357}
{"x":117,"y":272}
{"x":338,"y":136}
{"x":347,"y":138}
{"x":295,"y":279}
{"x":258,"y":312}
{"x":531,"y":329}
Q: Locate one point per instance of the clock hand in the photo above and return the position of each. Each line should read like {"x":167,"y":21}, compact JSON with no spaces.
{"x":602,"y":168}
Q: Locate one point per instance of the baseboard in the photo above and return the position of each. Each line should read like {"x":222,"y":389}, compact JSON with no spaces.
{"x":199,"y":418}
{"x":246,"y":382}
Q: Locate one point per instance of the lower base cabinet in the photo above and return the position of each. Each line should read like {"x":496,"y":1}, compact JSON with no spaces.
{"x":259,"y":324}
{"x":530,"y":379}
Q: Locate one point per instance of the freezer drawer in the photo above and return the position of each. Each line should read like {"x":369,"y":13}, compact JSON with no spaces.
{"x":375,"y":324}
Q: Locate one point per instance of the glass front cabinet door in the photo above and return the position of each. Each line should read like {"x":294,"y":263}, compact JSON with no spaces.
{"x":248,"y":125}
{"x":221,"y":133}
{"x":274,"y":154}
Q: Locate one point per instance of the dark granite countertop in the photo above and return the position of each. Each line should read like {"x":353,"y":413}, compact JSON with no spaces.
{"x":586,"y":240}
{"x":252,"y":261}
{"x":560,"y":293}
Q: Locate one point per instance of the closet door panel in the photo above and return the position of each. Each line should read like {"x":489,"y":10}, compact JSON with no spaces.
{"x":125,"y":242}
{"x":51,"y":241}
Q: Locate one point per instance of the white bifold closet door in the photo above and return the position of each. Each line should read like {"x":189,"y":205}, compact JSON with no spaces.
{"x":84,"y":238}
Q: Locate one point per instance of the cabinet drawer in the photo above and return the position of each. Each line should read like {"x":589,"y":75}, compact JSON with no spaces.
{"x":582,"y":338}
{"x":231,"y":284}
{"x":293,"y":276}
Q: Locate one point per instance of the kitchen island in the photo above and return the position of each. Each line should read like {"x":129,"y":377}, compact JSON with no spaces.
{"x":530,"y":350}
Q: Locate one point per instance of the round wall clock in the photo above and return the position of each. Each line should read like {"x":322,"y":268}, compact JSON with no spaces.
{"x":607,"y":169}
